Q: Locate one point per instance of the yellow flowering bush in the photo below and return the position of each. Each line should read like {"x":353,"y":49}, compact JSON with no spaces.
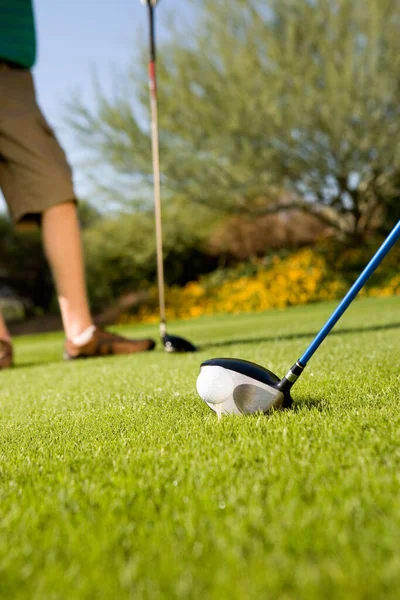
{"x":300,"y":278}
{"x":392,"y":288}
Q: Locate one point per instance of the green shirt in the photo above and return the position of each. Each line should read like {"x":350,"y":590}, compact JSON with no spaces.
{"x":17,"y":32}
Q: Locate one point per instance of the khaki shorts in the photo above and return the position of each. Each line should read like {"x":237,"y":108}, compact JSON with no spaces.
{"x":34,"y":172}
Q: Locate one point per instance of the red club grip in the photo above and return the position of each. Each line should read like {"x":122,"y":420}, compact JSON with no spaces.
{"x":152,"y":77}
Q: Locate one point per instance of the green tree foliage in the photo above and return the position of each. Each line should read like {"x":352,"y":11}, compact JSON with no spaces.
{"x":120,"y":254}
{"x":265,"y":105}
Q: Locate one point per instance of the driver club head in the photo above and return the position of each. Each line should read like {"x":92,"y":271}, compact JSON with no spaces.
{"x":174,"y":343}
{"x":240,"y":387}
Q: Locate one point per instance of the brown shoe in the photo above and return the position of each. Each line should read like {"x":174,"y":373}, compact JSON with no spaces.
{"x":104,"y":343}
{"x":6,"y":355}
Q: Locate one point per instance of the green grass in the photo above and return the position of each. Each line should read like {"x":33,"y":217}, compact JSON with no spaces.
{"x":116,"y":481}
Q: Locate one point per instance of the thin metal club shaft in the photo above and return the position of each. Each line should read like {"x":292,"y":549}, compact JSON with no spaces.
{"x":294,"y":373}
{"x":156,"y":172}
{"x":375,"y":261}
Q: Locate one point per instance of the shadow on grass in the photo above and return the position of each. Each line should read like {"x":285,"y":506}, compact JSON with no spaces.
{"x":20,"y":364}
{"x":309,"y":403}
{"x":296,"y":336}
{"x":38,"y":363}
{"x":227,"y":343}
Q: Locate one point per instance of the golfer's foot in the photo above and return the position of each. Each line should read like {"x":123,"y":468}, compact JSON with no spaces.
{"x":103,"y":343}
{"x":6,"y":354}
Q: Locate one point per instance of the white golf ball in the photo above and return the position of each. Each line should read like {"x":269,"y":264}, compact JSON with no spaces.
{"x":214,"y":384}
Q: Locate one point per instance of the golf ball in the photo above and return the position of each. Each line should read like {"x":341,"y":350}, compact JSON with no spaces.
{"x":214,"y":384}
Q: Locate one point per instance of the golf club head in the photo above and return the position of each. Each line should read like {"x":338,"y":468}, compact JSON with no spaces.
{"x":174,"y":343}
{"x":240,"y":387}
{"x":149,"y":2}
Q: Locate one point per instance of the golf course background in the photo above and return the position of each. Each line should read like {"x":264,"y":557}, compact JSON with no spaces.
{"x":121,"y":271}
{"x":117,"y":481}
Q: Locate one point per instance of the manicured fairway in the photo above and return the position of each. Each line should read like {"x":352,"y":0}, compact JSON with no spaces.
{"x":116,"y":481}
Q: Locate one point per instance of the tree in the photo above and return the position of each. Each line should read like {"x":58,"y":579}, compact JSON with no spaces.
{"x":266,"y":106}
{"x":120,"y":254}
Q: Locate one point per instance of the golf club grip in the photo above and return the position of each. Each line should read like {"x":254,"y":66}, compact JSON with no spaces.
{"x":152,"y":35}
{"x":352,"y":293}
{"x":156,"y":168}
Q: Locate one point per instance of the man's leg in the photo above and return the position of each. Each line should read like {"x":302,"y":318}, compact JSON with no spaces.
{"x":4,"y":333}
{"x":6,"y":351}
{"x":63,"y":247}
{"x":35,"y":179}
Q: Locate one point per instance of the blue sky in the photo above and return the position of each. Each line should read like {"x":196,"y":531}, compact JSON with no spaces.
{"x":75,"y":36}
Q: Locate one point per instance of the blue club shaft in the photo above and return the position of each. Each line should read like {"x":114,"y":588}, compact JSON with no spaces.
{"x":351,"y":294}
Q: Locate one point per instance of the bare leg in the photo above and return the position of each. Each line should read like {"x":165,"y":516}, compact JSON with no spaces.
{"x":4,"y":333}
{"x":63,"y":247}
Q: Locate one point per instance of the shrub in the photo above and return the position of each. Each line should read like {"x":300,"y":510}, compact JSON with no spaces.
{"x":298,"y":278}
{"x":120,"y":255}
